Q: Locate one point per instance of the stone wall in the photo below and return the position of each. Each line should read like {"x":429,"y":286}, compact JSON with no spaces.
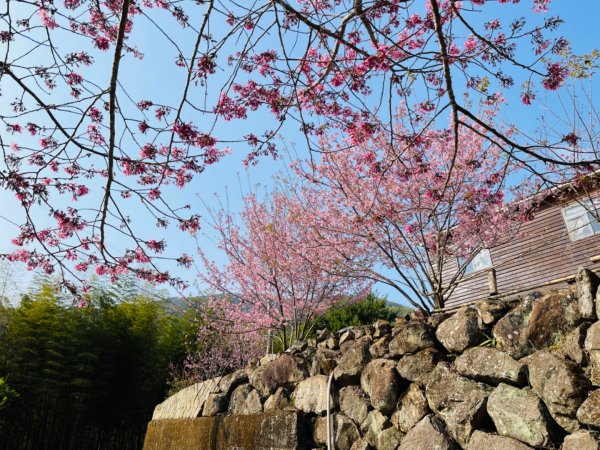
{"x":505,"y":375}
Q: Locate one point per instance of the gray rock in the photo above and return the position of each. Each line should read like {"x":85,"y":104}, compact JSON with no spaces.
{"x":359,"y":332}
{"x":560,"y":384}
{"x":437,"y":317}
{"x":411,"y":408}
{"x":380,"y":349}
{"x":589,"y":411}
{"x":188,"y":403}
{"x":491,"y":310}
{"x":324,"y":361}
{"x":574,"y":343}
{"x":269,"y":357}
{"x":485,"y":441}
{"x":460,"y":402}
{"x":344,"y":432}
{"x":411,"y":337}
{"x":490,"y":366}
{"x":332,"y":343}
{"x":253,"y":403}
{"x":389,"y":439}
{"x":381,"y":328}
{"x":361,"y":444}
{"x":278,"y":401}
{"x":283,"y":371}
{"x":582,"y":440}
{"x":310,"y":395}
{"x":320,"y":430}
{"x":418,"y":367}
{"x":587,"y":285}
{"x":347,"y":336}
{"x":428,"y":434}
{"x":215,"y":404}
{"x":520,"y":414}
{"x":597,"y":299}
{"x":592,"y":345}
{"x":323,"y":335}
{"x":354,"y":404}
{"x":353,"y":362}
{"x":537,"y":323}
{"x":380,"y":381}
{"x":244,"y":400}
{"x":229,"y":382}
{"x":373,"y":425}
{"x":460,"y":330}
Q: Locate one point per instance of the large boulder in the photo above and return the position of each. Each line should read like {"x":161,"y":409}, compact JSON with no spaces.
{"x":373,"y":426}
{"x":343,"y":432}
{"x":560,"y":384}
{"x":592,"y":346}
{"x":587,"y":285}
{"x":347,"y":336}
{"x":589,"y":411}
{"x":597,"y":303}
{"x":486,"y":441}
{"x":428,"y":434}
{"x":353,"y":361}
{"x":460,"y":331}
{"x":389,"y":439}
{"x":573,"y":345}
{"x":381,"y":328}
{"x":380,"y":381}
{"x":227,"y":383}
{"x":361,"y":444}
{"x":278,"y":401}
{"x":537,"y":323}
{"x":244,"y":400}
{"x":324,"y":361}
{"x":491,"y":310}
{"x":418,"y":367}
{"x":380,"y":349}
{"x":411,"y":408}
{"x":582,"y":440}
{"x":215,"y":404}
{"x":520,"y":414}
{"x":284,"y":371}
{"x":459,"y":401}
{"x":411,"y":337}
{"x":490,"y":365}
{"x":187,"y":403}
{"x":310,"y":395}
{"x":354,"y":403}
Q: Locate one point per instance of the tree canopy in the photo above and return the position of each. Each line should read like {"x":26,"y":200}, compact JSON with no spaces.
{"x":86,"y":135}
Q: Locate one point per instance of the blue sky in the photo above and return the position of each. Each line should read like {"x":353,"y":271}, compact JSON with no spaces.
{"x":228,"y":178}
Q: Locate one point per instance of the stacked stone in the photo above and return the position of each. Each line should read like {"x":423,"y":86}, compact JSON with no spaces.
{"x":508,"y":375}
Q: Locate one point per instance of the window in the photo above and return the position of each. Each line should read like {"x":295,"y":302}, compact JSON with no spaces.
{"x":480,"y":261}
{"x":581,"y":219}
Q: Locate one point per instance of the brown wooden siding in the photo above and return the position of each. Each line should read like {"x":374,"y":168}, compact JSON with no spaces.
{"x":542,"y":252}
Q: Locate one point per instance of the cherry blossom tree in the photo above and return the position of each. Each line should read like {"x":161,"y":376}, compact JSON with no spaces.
{"x":82,"y":142}
{"x":220,"y":346}
{"x":415,"y":206}
{"x":278,"y":277}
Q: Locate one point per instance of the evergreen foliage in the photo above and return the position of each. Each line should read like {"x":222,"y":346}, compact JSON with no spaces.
{"x":365,"y":312}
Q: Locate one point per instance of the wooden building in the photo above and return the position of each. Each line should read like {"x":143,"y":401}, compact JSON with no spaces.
{"x":563,"y":236}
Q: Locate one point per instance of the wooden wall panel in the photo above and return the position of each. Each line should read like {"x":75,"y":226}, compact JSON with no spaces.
{"x":542,"y":252}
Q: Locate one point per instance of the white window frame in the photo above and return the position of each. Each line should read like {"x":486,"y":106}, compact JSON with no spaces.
{"x":580,"y":221}
{"x":480,"y":261}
